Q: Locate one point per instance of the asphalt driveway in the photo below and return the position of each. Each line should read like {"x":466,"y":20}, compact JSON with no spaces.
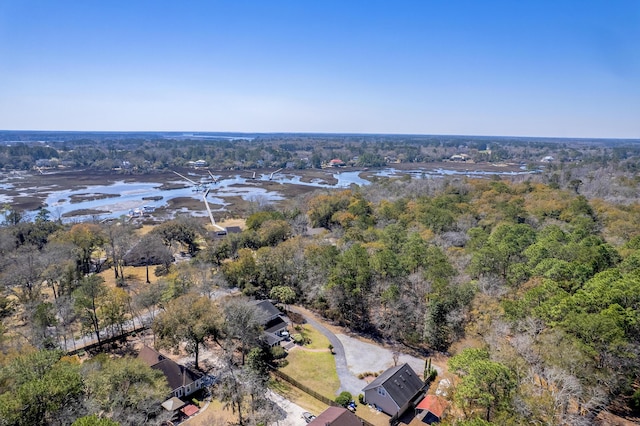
{"x":354,"y":356}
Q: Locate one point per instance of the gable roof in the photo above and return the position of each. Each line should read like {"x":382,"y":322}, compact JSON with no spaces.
{"x":400,"y":382}
{"x":274,"y":325}
{"x":268,"y":307}
{"x":433,"y":404}
{"x":177,"y":375}
{"x":150,"y":356}
{"x":336,"y":416}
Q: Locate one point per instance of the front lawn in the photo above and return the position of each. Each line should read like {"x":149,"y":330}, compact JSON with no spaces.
{"x":316,"y":339}
{"x":315,"y":369}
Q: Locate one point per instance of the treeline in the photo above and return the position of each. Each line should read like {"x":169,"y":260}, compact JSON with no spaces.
{"x":146,"y":152}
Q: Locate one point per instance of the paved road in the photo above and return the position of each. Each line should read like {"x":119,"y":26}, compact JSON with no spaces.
{"x":348,"y":381}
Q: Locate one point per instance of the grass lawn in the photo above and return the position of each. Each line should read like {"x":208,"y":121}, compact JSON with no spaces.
{"x":318,"y":340}
{"x":297,"y":396}
{"x":316,"y":370}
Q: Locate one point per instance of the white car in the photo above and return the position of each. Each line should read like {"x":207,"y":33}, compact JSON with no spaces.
{"x":308,"y":417}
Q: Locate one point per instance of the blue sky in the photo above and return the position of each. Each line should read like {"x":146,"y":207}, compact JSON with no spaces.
{"x":520,"y":67}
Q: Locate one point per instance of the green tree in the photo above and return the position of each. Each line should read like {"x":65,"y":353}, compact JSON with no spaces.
{"x":86,"y":238}
{"x":37,"y":387}
{"x":129,"y":390}
{"x":94,"y":420}
{"x":190,"y":318}
{"x":484,"y":383}
{"x":283,"y":294}
{"x":349,"y":284}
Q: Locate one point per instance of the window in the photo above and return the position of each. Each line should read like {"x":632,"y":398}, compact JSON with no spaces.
{"x":381,"y":391}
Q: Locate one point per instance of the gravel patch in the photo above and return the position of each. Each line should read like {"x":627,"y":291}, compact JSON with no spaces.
{"x":365,"y":357}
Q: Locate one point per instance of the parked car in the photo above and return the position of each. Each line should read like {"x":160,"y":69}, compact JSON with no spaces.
{"x":308,"y":417}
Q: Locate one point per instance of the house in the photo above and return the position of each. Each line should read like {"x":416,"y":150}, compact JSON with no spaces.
{"x":459,"y":157}
{"x":336,"y":162}
{"x":182,"y":380}
{"x":432,"y":408}
{"x":394,"y":390}
{"x":336,"y":416}
{"x":274,"y":323}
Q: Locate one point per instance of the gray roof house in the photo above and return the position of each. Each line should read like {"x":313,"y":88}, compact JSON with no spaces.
{"x":274,"y":323}
{"x":394,"y":390}
{"x":182,"y":380}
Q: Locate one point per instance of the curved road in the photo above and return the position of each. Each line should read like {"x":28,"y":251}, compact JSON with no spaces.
{"x":348,"y":381}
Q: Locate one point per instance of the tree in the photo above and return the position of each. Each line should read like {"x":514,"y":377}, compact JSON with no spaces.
{"x":114,"y":309}
{"x":272,"y":232}
{"x":349,"y":284}
{"x":23,"y":274}
{"x":149,"y":251}
{"x":242,"y":272}
{"x":283,"y":294}
{"x":183,"y":230}
{"x":243,"y":324}
{"x":37,"y":387}
{"x":86,"y":237}
{"x":485,"y":384}
{"x":88,"y":298}
{"x":192,"y":319}
{"x":119,"y":236}
{"x":94,"y":420}
{"x":43,"y":317}
{"x":129,"y":390}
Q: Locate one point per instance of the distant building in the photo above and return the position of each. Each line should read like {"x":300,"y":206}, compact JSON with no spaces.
{"x":336,"y":162}
{"x":459,"y":157}
{"x":547,"y":159}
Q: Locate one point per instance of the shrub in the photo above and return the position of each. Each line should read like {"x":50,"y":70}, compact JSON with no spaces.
{"x":432,"y":375}
{"x":368,"y":374}
{"x":635,"y":400}
{"x":344,"y":398}
{"x":278,"y":352}
{"x":361,"y":398}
